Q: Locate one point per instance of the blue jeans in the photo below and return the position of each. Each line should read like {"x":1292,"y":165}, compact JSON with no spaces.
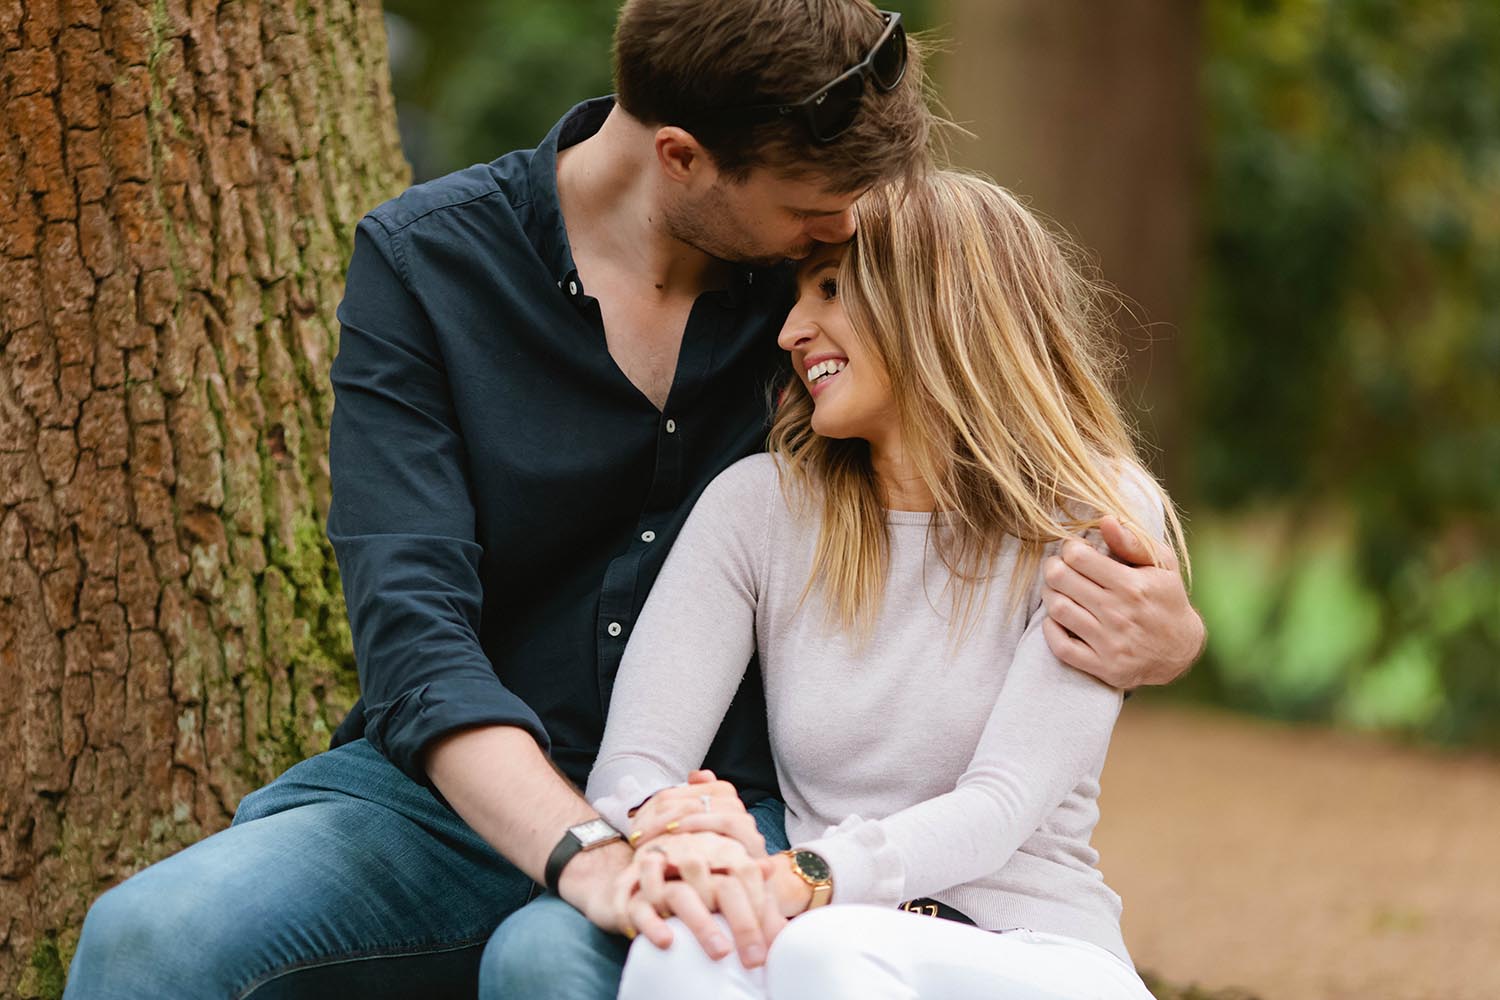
{"x":343,"y":878}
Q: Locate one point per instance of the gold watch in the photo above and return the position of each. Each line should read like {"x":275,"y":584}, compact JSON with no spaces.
{"x":812,"y":869}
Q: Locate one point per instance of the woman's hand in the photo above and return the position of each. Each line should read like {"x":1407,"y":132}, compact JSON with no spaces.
{"x":693,"y":876}
{"x":789,"y":894}
{"x":703,"y":805}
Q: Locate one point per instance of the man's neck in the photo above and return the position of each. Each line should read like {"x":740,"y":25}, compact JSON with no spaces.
{"x":610,"y":191}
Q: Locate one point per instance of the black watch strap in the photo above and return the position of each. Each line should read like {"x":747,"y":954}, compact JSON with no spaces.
{"x":566,"y":848}
{"x":577,"y":839}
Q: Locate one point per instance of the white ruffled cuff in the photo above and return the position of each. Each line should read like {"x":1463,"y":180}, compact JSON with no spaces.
{"x":866,"y":867}
{"x":618,"y":786}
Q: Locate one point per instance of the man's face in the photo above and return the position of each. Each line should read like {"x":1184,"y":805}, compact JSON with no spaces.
{"x":765,"y":220}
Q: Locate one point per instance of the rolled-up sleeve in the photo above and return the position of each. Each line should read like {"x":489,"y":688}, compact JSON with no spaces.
{"x":402,"y":521}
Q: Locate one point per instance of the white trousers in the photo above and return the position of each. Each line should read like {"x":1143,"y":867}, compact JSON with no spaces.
{"x":874,"y":953}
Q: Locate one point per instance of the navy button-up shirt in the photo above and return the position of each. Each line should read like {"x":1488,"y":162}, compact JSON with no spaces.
{"x":503,"y":496}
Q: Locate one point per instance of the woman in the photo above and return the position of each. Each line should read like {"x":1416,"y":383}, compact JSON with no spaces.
{"x":947,"y":427}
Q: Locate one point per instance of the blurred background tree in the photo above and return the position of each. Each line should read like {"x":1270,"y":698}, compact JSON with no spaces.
{"x":1303,"y":199}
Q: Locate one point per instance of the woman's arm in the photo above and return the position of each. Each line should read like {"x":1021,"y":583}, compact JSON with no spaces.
{"x":1048,"y":731}
{"x":690,"y":648}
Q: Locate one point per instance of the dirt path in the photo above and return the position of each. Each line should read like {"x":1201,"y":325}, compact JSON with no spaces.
{"x":1302,"y":864}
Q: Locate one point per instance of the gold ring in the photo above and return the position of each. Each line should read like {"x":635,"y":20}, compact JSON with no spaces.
{"x":672,"y":826}
{"x":629,"y":932}
{"x":635,"y":837}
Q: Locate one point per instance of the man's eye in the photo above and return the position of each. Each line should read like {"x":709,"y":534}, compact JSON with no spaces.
{"x":829,"y":287}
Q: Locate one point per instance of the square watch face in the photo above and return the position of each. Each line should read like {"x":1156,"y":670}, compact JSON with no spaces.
{"x":594,"y":832}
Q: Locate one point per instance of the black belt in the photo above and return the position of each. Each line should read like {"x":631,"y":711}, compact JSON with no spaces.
{"x":928,"y":907}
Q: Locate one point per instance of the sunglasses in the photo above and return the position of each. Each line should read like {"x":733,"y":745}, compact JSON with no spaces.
{"x":831,"y":109}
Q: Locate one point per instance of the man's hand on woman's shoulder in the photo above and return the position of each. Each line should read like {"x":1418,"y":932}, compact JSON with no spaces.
{"x":1125,"y":620}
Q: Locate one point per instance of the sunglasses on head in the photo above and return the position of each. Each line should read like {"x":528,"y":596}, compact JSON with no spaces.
{"x":831,"y":109}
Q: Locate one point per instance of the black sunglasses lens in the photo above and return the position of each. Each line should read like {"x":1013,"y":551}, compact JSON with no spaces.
{"x":889,"y":64}
{"x":835,"y":109}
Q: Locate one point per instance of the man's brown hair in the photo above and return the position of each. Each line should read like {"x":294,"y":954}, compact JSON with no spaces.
{"x":677,"y":62}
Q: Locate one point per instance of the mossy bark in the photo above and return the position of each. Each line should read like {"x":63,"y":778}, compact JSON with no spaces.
{"x":179,"y":180}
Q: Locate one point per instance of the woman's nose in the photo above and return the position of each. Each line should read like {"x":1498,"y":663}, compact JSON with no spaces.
{"x":797,"y":332}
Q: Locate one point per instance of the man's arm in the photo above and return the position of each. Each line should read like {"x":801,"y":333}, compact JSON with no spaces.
{"x":1125,"y":620}
{"x":402,"y":523}
{"x":505,"y":788}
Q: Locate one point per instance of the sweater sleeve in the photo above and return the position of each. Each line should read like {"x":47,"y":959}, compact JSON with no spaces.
{"x":691,"y":645}
{"x":1048,"y":731}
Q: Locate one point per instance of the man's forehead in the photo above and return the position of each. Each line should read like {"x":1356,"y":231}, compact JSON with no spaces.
{"x":809,"y":193}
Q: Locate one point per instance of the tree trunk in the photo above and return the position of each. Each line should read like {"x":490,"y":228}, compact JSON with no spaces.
{"x":179,"y":181}
{"x":1089,"y":111}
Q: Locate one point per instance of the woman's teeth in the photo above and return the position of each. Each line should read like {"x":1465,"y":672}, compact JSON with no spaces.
{"x":825,"y":370}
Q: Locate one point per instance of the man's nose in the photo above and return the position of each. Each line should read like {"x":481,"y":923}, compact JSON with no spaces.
{"x":834,"y":228}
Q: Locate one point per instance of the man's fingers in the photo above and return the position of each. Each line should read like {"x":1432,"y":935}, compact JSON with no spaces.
{"x":744,"y":921}
{"x":1066,"y":612}
{"x":690,"y":909}
{"x":692,"y":868}
{"x":642,"y":916}
{"x":1070,"y":649}
{"x":1127,"y":546}
{"x":702,"y":777}
{"x":1064,"y":579}
{"x":653,"y":881}
{"x":1098,"y":567}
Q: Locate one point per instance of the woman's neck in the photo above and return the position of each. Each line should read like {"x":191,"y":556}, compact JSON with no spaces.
{"x":900,"y":485}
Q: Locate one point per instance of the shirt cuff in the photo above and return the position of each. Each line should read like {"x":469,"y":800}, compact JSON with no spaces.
{"x":617,"y":786}
{"x":865,"y":865}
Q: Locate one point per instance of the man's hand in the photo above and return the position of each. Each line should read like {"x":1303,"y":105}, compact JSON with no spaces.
{"x":1124,"y":620}
{"x":693,"y":876}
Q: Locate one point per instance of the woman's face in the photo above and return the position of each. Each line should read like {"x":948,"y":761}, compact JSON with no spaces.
{"x":850,"y":388}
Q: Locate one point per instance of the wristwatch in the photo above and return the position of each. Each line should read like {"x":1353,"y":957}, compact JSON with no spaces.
{"x":580,"y":838}
{"x":812,"y":869}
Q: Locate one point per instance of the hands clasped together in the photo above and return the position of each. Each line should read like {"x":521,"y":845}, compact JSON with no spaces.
{"x":699,"y":852}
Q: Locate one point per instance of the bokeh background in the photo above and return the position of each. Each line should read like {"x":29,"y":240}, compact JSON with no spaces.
{"x":1301,"y":198}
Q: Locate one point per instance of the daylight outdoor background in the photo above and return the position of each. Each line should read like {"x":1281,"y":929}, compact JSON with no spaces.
{"x":1302,"y":197}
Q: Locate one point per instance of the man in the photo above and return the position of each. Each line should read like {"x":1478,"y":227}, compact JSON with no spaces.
{"x":543,"y":361}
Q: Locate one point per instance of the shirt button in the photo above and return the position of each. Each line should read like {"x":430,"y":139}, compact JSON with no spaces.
{"x":615,"y":629}
{"x":572,"y":288}
{"x":648,"y":536}
{"x":671,"y":427}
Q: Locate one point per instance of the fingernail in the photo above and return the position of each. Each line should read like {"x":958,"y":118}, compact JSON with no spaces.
{"x":720,"y":945}
{"x":755,"y":955}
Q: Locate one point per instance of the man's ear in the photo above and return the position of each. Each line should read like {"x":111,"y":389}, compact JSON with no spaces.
{"x":682,"y":158}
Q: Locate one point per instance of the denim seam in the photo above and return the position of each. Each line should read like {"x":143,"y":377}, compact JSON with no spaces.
{"x":274,"y":973}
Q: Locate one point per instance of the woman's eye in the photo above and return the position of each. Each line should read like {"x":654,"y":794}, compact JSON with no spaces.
{"x":829,"y":287}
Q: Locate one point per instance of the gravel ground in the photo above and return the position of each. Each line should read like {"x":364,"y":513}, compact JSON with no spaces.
{"x":1292,"y":863}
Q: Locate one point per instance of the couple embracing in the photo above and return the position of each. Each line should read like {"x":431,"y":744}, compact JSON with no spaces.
{"x":725,"y":458}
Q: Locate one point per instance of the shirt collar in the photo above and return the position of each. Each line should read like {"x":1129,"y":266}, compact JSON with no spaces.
{"x":548,"y":233}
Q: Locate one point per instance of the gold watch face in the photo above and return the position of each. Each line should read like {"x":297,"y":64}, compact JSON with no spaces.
{"x":812,"y":866}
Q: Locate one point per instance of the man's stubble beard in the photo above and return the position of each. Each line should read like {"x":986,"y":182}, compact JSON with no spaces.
{"x":709,"y":228}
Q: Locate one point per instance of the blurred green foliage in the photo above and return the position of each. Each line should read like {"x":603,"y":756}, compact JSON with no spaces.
{"x":1345,"y":378}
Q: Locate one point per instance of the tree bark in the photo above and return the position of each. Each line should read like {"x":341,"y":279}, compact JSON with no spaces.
{"x":1090,"y":111}
{"x":179,"y":181}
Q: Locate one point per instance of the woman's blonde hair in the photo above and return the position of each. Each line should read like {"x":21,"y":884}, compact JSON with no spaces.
{"x":998,"y":353}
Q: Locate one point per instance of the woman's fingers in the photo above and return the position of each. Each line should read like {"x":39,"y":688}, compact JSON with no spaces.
{"x":739,"y":827}
{"x":744,"y":921}
{"x":671,"y":805}
{"x":689,"y":907}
